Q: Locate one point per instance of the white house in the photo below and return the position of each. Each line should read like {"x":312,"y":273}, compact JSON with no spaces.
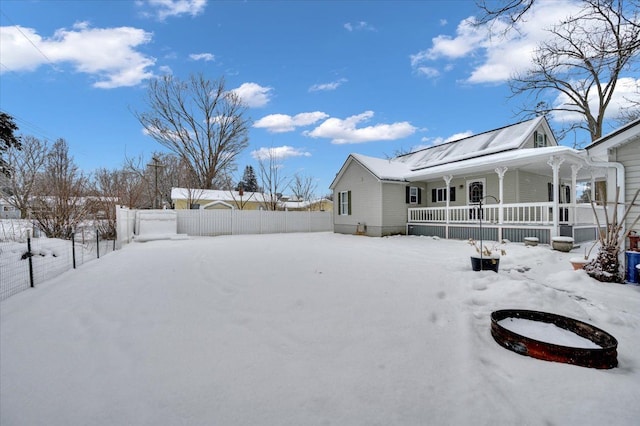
{"x":521,"y":178}
{"x":621,"y":148}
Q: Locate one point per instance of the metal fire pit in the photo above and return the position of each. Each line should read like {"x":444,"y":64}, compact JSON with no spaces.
{"x":603,"y":357}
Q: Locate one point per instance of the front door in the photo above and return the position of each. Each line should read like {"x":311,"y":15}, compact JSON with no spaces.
{"x":475,"y":193}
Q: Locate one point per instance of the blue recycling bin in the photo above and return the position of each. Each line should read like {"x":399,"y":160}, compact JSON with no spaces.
{"x":633,"y":259}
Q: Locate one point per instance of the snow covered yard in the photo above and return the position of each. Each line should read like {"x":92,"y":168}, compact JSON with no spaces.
{"x":306,"y":329}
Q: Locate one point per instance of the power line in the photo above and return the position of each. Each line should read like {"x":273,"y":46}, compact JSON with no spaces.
{"x":30,"y":41}
{"x":32,"y":127}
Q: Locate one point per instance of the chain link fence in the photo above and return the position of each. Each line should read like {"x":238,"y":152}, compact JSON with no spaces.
{"x":28,"y":258}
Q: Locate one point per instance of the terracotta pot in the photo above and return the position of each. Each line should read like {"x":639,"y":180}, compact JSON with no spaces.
{"x":578,"y":263}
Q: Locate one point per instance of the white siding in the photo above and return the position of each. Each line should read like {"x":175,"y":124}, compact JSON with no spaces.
{"x":394,"y":207}
{"x":533,"y":187}
{"x":629,"y":156}
{"x":530,"y":142}
{"x":510,"y":187}
{"x":366,"y":199}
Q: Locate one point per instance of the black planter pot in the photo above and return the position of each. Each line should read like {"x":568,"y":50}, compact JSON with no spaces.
{"x":485,"y":264}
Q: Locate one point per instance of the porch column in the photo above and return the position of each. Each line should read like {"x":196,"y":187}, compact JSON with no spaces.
{"x":447,"y":180}
{"x":501,"y":171}
{"x":555,"y":163}
{"x":575,"y":168}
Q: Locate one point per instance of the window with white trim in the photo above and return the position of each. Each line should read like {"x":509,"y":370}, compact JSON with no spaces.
{"x":441,"y":195}
{"x":344,"y":203}
{"x":413,"y":195}
{"x":539,"y":140}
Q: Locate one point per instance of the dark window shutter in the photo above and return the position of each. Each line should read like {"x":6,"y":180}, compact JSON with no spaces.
{"x":545,"y":140}
{"x":339,"y":203}
{"x":407,"y":194}
{"x":419,"y":195}
{"x":535,"y":139}
{"x":349,"y":202}
{"x":434,"y":196}
{"x":550,"y":190}
{"x":567,"y":190}
{"x":452,"y":193}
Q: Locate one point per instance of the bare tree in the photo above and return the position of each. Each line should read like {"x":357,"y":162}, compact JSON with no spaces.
{"x":107,"y":187}
{"x":28,"y":164}
{"x":59,"y":204}
{"x":200,"y":122}
{"x":511,"y":11}
{"x":581,"y":62}
{"x":271,"y":179}
{"x":157,"y":178}
{"x":632,"y":111}
{"x":303,"y":187}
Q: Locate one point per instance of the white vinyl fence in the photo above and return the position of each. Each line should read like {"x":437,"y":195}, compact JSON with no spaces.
{"x":226,"y":222}
{"x":233,"y":222}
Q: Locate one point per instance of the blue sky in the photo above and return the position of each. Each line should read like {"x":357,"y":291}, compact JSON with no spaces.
{"x":322,"y":79}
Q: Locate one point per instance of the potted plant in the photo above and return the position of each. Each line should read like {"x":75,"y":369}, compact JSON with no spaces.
{"x":486,"y":258}
{"x":607,"y":265}
{"x":580,"y":262}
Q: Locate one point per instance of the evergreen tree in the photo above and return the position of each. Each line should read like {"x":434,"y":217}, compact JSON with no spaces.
{"x":7,"y":140}
{"x":249,"y":181}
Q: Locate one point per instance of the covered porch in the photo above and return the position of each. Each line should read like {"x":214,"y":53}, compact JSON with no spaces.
{"x":513,"y":222}
{"x":493,"y":207}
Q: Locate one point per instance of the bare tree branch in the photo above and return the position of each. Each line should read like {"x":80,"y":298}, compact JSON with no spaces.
{"x":28,"y":164}
{"x":582,"y":62}
{"x":200,"y":122}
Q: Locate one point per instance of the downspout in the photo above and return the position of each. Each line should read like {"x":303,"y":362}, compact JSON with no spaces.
{"x":620,"y":182}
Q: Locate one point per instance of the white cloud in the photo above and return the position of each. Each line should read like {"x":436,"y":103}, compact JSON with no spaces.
{"x":468,"y":35}
{"x":627,"y":92}
{"x":202,"y":57}
{"x":253,"y":95}
{"x":163,"y":9}
{"x":108,"y":54}
{"x":279,"y":153}
{"x":440,"y":140}
{"x":346,"y":131}
{"x":359,"y":26}
{"x":280,"y":123}
{"x":327,"y":86}
{"x":499,"y":56}
{"x":428,"y":71}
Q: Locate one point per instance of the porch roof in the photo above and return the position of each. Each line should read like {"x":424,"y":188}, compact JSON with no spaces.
{"x":531,"y":159}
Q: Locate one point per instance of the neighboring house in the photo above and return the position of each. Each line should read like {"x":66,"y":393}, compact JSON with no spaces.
{"x":622,"y":148}
{"x":320,"y":205}
{"x":185,"y":198}
{"x":7,"y":211}
{"x":525,"y":181}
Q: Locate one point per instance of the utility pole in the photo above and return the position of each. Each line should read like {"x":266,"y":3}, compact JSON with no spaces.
{"x":155,"y":164}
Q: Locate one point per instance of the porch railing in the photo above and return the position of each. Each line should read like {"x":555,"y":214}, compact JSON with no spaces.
{"x":521,"y":213}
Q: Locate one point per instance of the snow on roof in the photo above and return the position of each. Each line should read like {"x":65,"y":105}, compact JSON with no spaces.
{"x":620,"y":131}
{"x":384,"y":169}
{"x":478,"y":147}
{"x":215,"y":195}
{"x":303,"y":204}
{"x":498,"y":140}
{"x":520,"y":156}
